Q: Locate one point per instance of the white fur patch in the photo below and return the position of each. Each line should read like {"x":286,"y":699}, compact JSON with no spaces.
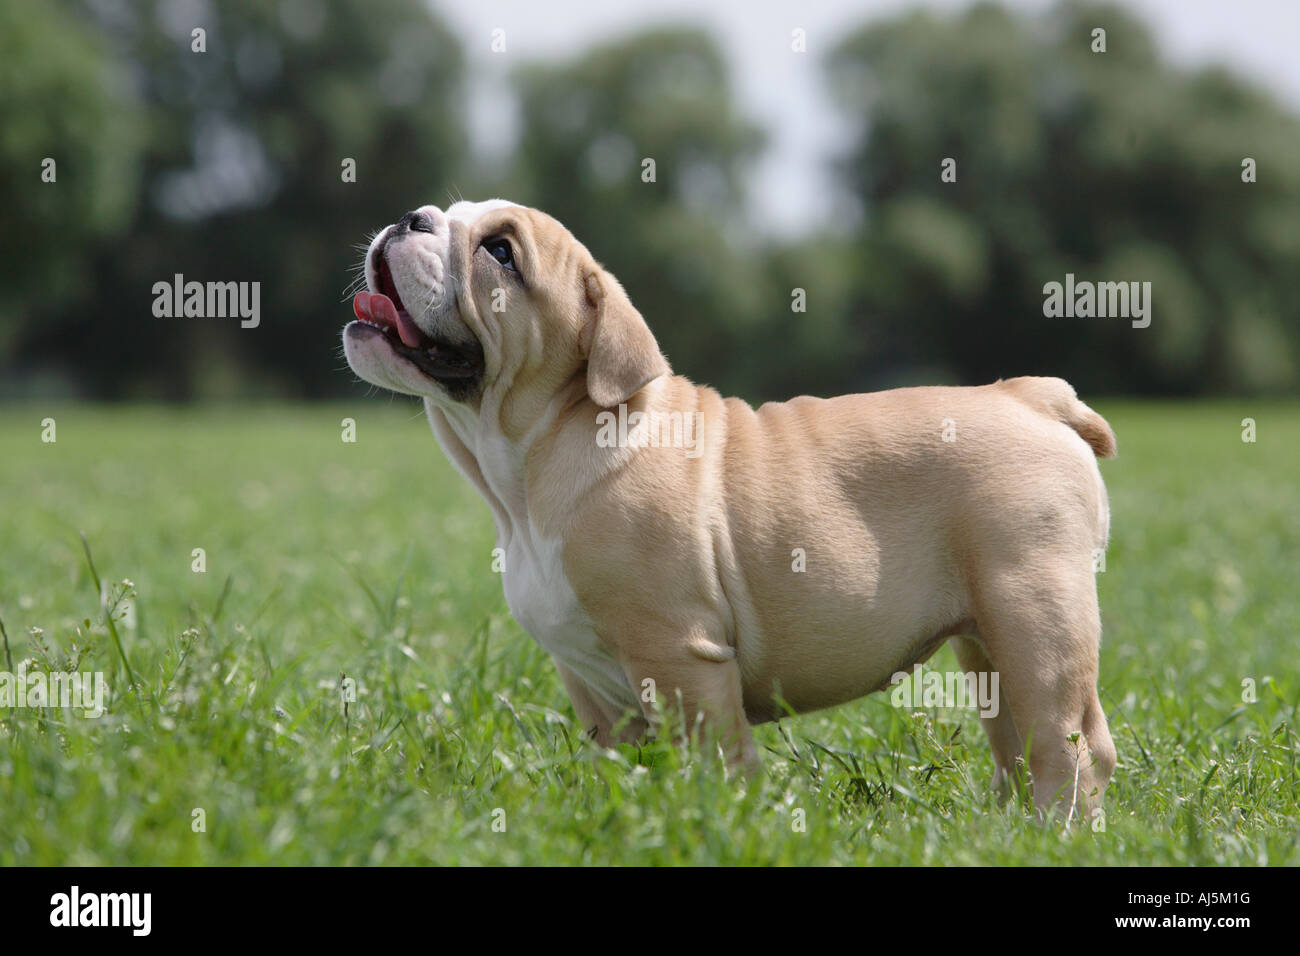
{"x":545,"y":605}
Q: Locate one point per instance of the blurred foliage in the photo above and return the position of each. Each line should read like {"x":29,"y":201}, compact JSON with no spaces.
{"x":225,"y":165}
{"x":236,"y":176}
{"x":1112,"y":166}
{"x":62,"y":98}
{"x":590,"y":129}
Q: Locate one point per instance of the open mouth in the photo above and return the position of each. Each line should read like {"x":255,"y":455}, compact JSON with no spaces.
{"x":384,"y":312}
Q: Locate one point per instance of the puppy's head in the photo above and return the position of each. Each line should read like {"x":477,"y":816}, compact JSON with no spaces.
{"x":495,"y":301}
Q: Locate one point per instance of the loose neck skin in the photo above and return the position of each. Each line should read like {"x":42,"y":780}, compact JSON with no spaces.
{"x":520,"y":478}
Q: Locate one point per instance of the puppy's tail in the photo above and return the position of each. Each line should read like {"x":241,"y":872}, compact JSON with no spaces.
{"x":1055,"y":397}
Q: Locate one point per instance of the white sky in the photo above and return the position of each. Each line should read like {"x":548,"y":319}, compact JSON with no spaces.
{"x":783,"y":93}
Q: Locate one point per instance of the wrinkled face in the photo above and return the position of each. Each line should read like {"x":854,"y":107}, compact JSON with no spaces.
{"x":495,"y":306}
{"x":458,"y":302}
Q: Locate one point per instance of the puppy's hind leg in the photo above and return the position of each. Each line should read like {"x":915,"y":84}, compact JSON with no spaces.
{"x":999,"y":726}
{"x":1041,"y":629}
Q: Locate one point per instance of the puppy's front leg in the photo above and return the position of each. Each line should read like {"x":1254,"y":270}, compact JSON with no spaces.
{"x":603,"y":723}
{"x":707,"y":679}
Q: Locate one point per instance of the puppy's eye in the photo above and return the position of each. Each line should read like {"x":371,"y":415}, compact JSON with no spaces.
{"x":499,"y":249}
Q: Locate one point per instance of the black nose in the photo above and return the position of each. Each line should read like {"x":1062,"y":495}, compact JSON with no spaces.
{"x":415,"y":222}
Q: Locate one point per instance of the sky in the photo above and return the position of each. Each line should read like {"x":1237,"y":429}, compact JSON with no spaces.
{"x":790,"y":188}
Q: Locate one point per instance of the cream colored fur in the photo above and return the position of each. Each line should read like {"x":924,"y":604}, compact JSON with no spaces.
{"x":922,"y":515}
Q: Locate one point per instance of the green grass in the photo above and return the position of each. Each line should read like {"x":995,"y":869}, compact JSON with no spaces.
{"x":373,"y":560}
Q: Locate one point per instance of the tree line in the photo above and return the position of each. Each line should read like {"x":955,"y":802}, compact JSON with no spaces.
{"x":993,"y":154}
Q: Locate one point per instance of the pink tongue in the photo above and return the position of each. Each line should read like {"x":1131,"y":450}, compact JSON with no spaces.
{"x":378,"y":308}
{"x":408,"y":330}
{"x":361,"y":306}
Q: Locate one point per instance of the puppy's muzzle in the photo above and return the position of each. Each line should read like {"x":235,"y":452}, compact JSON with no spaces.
{"x":419,"y":221}
{"x":382,"y":313}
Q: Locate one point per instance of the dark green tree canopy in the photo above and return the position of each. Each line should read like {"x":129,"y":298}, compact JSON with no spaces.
{"x":227,"y":165}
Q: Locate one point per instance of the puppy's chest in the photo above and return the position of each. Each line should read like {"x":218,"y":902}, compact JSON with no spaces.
{"x":545,"y":605}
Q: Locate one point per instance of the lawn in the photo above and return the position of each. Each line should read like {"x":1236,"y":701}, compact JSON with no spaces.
{"x":367,"y":566}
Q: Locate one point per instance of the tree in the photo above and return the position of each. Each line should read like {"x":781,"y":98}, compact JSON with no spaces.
{"x":637,"y":147}
{"x":1113,"y":166}
{"x":69,"y":155}
{"x":247,"y":129}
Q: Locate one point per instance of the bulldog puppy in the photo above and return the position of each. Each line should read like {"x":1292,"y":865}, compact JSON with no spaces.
{"x":660,"y":539}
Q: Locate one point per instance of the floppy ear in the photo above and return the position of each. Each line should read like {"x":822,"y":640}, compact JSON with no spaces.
{"x":622,"y":354}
